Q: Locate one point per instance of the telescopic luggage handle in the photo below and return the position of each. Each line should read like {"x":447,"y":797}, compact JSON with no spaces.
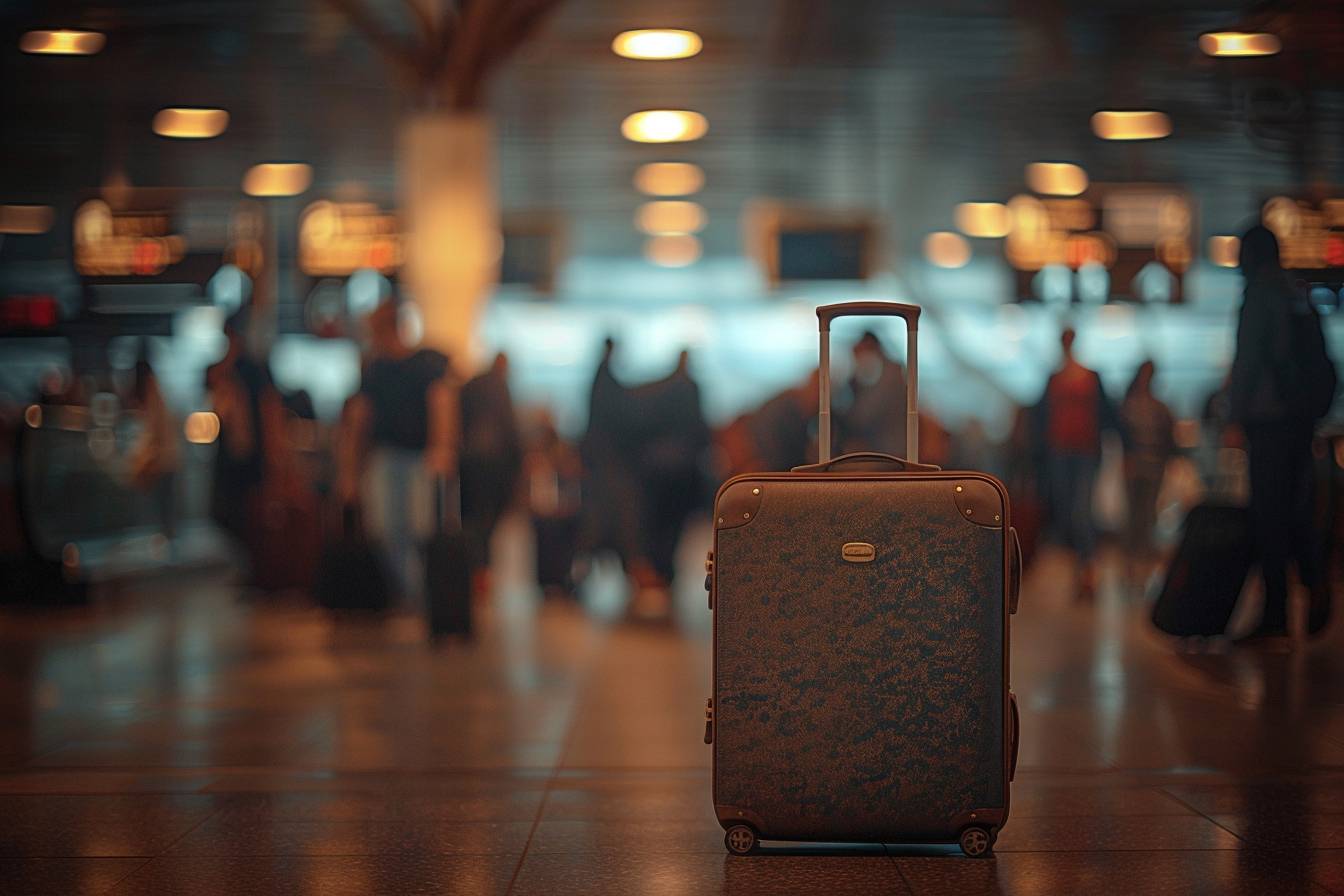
{"x":828,"y":313}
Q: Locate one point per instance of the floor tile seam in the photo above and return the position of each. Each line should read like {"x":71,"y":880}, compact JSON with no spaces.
{"x":1207,"y":817}
{"x":197,"y":826}
{"x":116,"y":885}
{"x":574,"y":715}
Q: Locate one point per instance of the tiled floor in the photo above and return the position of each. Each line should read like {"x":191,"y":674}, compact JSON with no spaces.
{"x":179,"y":740}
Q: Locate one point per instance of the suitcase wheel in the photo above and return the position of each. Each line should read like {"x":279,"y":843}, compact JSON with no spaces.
{"x":977,"y":842}
{"x":741,"y":840}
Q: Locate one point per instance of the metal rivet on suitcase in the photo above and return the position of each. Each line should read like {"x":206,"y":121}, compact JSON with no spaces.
{"x":969,"y":511}
{"x":958,"y":488}
{"x":746,"y":516}
{"x":755,"y":491}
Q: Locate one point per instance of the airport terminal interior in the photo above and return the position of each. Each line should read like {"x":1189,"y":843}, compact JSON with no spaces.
{"x":369,"y":371}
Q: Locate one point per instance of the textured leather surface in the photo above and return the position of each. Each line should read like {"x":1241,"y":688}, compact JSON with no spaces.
{"x":859,"y":701}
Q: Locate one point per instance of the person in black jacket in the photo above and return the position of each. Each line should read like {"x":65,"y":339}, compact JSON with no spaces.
{"x":1282,"y":382}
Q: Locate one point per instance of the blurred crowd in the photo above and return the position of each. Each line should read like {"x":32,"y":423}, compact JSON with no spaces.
{"x":420,"y":449}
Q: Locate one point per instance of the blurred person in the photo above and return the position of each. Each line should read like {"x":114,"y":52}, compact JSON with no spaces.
{"x":783,"y":429}
{"x":610,"y":513}
{"x":245,"y":400}
{"x":491,"y":459}
{"x":672,"y":452}
{"x":1073,"y":413}
{"x":154,"y":458}
{"x":1151,"y":443}
{"x":875,"y":418}
{"x":399,"y":436}
{"x":1282,"y":383}
{"x":554,"y":482}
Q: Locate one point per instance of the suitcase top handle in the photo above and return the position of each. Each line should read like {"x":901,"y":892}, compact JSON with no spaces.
{"x":828,"y":313}
{"x":868,"y":457}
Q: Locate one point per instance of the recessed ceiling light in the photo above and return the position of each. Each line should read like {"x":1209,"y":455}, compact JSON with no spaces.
{"x":656,"y":43}
{"x":672,"y":250}
{"x":190,"y":124}
{"x":62,"y":42}
{"x":277,"y":179}
{"x":1056,"y":178}
{"x":983,"y":219}
{"x":669,"y":178}
{"x":670,"y":216}
{"x":1143,"y":124}
{"x":664,"y":126}
{"x":1224,"y":251}
{"x":946,"y":249}
{"x":1239,"y":43}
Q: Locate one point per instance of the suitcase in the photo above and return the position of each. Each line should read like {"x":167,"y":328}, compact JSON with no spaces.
{"x":861,"y":609}
{"x":351,"y":572}
{"x":448,"y":565}
{"x":1206,"y":575}
{"x":284,"y":538}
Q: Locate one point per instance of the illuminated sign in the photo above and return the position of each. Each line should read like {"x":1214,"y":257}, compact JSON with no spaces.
{"x":1311,"y":237}
{"x":124,"y":244}
{"x":1121,"y":228}
{"x":338,"y":238}
{"x":28,"y":314}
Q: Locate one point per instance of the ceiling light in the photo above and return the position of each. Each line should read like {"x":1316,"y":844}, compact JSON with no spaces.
{"x":1224,"y":251}
{"x":1239,"y":43}
{"x":277,"y":179}
{"x":669,"y":179}
{"x":1056,"y":178}
{"x":656,"y":43}
{"x":672,"y":250}
{"x":62,"y":42}
{"x":1138,"y":125}
{"x":946,"y":249}
{"x":664,"y":126}
{"x":191,"y":124}
{"x":983,"y":219}
{"x":670,"y":216}
{"x":25,"y":219}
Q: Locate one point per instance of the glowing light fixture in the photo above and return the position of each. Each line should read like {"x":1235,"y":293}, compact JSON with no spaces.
{"x":669,"y":179}
{"x":946,"y":249}
{"x":670,"y":216}
{"x":1056,"y":178}
{"x":190,"y":124}
{"x":62,"y":42}
{"x":983,"y":219}
{"x":1239,"y":43}
{"x":1143,"y":124}
{"x":664,"y":126}
{"x":1224,"y":250}
{"x":277,"y":179}
{"x":25,"y":219}
{"x":672,"y":250}
{"x":656,"y":43}
{"x":201,"y":428}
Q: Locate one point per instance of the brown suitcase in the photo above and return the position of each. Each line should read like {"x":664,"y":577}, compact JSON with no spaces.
{"x":861,"y":631}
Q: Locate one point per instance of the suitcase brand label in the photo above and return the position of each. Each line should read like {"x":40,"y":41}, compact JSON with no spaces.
{"x":858,"y":552}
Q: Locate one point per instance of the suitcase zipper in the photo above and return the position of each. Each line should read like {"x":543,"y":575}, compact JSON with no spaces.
{"x":709,"y":721}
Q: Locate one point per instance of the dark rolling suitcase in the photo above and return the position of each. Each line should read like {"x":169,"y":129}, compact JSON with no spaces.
{"x":861,"y":611}
{"x":351,"y":572}
{"x":1205,"y":577}
{"x":448,"y":567}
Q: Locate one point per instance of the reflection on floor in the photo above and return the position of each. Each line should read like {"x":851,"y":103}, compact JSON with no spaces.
{"x":183,"y":741}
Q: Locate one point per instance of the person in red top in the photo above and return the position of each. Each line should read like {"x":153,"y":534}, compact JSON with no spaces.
{"x":1071,"y":416}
